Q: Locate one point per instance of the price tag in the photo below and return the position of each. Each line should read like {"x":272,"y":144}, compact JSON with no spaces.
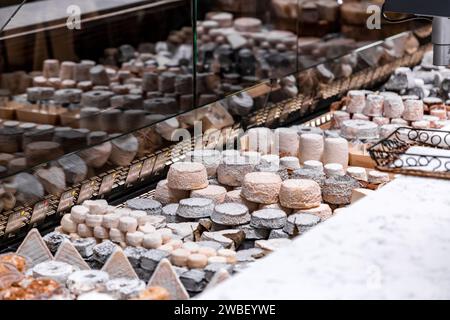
{"x":160,"y":162}
{"x":107,"y":184}
{"x":133,"y":174}
{"x":40,"y":211}
{"x":67,"y":200}
{"x":86,"y":191}
{"x":147,"y":167}
{"x":16,"y":221}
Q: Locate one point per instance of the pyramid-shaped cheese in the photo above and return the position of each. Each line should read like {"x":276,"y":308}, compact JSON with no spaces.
{"x":165,"y":276}
{"x":68,"y":254}
{"x":218,"y":278}
{"x":118,"y":266}
{"x":34,"y":248}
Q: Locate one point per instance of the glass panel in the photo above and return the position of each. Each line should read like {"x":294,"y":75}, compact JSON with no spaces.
{"x":127,"y":67}
{"x":329,"y":28}
{"x":241,"y":43}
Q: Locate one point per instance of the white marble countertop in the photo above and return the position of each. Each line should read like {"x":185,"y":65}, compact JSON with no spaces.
{"x":393,"y":244}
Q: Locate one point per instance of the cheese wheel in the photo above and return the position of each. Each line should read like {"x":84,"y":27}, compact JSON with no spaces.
{"x":261,"y":187}
{"x":187,"y":176}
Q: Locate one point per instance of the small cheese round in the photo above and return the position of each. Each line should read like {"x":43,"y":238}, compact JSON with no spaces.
{"x":334,"y":170}
{"x":268,"y":219}
{"x":140,"y":216}
{"x":115,"y":235}
{"x":217,"y":259}
{"x":78,"y":214}
{"x":110,"y":220}
{"x":336,"y":151}
{"x":209,"y":252}
{"x":134,"y":239}
{"x":84,"y":231}
{"x":414,"y":110}
{"x":166,"y":195}
{"x":300,"y":222}
{"x":101,"y":233}
{"x":166,"y":247}
{"x":152,"y":241}
{"x":377,"y":177}
{"x":166,"y":234}
{"x":290,"y":163}
{"x":96,"y":206}
{"x":323,"y":211}
{"x":175,"y":243}
{"x":179,"y":257}
{"x":191,"y":246}
{"x":232,"y":171}
{"x":356,"y":101}
{"x":311,"y":147}
{"x":287,"y":141}
{"x":93,"y":220}
{"x":68,"y":225}
{"x":197,"y":261}
{"x":215,"y":193}
{"x":230,"y":214}
{"x":235,"y":196}
{"x":228,"y":254}
{"x":195,"y":208}
{"x":374,"y":105}
{"x":146,"y":228}
{"x":313,"y":165}
{"x":128,"y":224}
{"x":357,"y":173}
{"x":209,"y":158}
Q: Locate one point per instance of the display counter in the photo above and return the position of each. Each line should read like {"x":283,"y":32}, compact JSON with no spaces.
{"x":96,"y":126}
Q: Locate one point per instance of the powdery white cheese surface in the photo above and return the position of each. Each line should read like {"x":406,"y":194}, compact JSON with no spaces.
{"x":393,"y":244}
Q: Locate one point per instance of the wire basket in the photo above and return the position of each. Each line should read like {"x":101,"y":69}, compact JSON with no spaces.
{"x":418,"y":152}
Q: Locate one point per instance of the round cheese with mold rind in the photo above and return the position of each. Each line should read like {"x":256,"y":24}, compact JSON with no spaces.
{"x":300,"y":194}
{"x":187,"y":176}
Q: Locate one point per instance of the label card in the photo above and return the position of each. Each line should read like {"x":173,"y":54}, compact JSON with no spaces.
{"x":67,"y":200}
{"x":133,"y":174}
{"x":40,"y":211}
{"x":161,"y":161}
{"x":147,"y":167}
{"x":86,"y":191}
{"x":16,"y":221}
{"x":107,"y":184}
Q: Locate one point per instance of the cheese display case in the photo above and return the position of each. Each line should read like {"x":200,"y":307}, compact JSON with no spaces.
{"x":160,"y":164}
